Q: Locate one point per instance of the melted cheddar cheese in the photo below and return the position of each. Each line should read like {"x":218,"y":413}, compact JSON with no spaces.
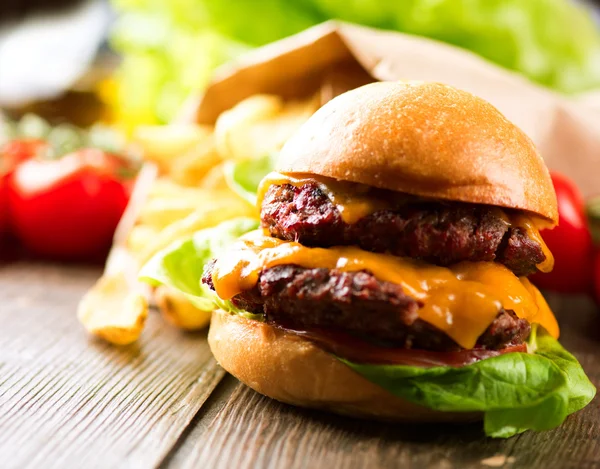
{"x":355,"y":202}
{"x":533,"y":233}
{"x":461,"y":300}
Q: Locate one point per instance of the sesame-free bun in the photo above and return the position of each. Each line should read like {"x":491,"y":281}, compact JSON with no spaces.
{"x":425,"y":139}
{"x":291,"y":369}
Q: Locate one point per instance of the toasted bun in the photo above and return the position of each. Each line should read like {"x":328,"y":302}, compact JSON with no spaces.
{"x":291,"y":369}
{"x":425,"y":139}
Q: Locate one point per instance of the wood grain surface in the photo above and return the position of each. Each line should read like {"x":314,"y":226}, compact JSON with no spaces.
{"x":69,"y":401}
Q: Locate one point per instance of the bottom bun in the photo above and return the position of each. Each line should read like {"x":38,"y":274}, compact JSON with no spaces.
{"x":294,"y":370}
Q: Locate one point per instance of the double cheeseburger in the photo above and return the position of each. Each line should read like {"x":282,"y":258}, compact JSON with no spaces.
{"x":398,"y":230}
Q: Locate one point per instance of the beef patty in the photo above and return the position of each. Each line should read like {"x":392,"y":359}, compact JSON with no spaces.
{"x":358,"y":304}
{"x":438,"y":232}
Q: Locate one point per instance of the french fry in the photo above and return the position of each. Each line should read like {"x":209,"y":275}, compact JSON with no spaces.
{"x":165,"y":188}
{"x":215,"y":180}
{"x":162,"y":144}
{"x":112,"y":311}
{"x":177,"y":309}
{"x":139,"y":237}
{"x":232,"y":126}
{"x":160,"y":212}
{"x":192,"y":166}
{"x":222,"y":207}
{"x":260,"y":125}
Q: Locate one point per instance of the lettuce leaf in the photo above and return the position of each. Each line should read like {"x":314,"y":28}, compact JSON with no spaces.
{"x":516,"y":391}
{"x":243,"y":177}
{"x":181,"y":265}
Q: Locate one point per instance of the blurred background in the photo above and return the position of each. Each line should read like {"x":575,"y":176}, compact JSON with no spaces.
{"x":131,"y":62}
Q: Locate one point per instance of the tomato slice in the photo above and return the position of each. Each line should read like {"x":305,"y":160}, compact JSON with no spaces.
{"x":360,"y":351}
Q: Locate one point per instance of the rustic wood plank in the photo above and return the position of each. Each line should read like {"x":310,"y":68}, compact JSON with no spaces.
{"x":67,"y":400}
{"x":242,"y":429}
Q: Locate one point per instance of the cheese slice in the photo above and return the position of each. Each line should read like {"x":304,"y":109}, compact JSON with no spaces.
{"x":354,"y":201}
{"x":461,"y":300}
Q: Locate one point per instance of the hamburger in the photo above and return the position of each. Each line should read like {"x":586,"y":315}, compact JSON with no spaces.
{"x":388,"y":278}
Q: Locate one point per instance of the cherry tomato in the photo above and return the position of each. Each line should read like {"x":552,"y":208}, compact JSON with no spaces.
{"x":597,"y":275}
{"x":570,"y":242}
{"x":4,"y":217}
{"x":17,"y":151}
{"x":11,"y":155}
{"x":68,"y":208}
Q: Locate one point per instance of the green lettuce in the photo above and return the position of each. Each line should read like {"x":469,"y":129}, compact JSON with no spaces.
{"x":181,"y":265}
{"x":243,"y":177}
{"x":170,"y":48}
{"x":515,"y":391}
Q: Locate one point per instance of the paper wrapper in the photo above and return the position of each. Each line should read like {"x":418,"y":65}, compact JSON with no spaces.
{"x":335,"y":57}
{"x":566,"y":131}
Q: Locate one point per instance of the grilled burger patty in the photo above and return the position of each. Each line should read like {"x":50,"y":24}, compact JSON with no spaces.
{"x":359,"y":304}
{"x":438,"y":232}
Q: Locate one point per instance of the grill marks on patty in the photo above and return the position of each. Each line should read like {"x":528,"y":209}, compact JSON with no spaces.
{"x":437,"y":232}
{"x":359,"y":304}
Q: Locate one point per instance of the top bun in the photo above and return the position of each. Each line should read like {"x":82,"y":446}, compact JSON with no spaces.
{"x":425,"y":139}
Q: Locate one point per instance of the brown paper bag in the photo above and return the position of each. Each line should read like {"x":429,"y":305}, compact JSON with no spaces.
{"x":567,"y":131}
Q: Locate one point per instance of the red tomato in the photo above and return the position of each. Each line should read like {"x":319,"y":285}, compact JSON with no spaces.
{"x":68,"y":208}
{"x":597,"y":275}
{"x":570,"y":242}
{"x":11,"y":155}
{"x":17,"y":151}
{"x":4,"y":217}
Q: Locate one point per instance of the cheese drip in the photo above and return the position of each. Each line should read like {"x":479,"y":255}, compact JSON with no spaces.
{"x":355,"y":202}
{"x":461,"y":300}
{"x":524,"y":222}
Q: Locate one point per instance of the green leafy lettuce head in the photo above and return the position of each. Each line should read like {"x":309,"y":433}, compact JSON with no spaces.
{"x":171,"y":48}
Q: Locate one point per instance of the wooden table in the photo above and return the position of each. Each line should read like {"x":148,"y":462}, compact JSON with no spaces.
{"x":67,"y":400}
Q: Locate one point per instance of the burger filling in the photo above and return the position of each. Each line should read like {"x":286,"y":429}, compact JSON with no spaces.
{"x":442,"y":233}
{"x":361,"y":306}
{"x":386,"y":268}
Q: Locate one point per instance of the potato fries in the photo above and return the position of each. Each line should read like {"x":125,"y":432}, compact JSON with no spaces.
{"x":161,"y":212}
{"x":260,"y":125}
{"x":215,"y":180}
{"x":113,"y":312}
{"x":178,"y":310}
{"x":140,"y":237}
{"x":189,"y":168}
{"x":162,"y":144}
{"x":234,"y":123}
{"x":190,"y":194}
{"x":214,"y":212}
